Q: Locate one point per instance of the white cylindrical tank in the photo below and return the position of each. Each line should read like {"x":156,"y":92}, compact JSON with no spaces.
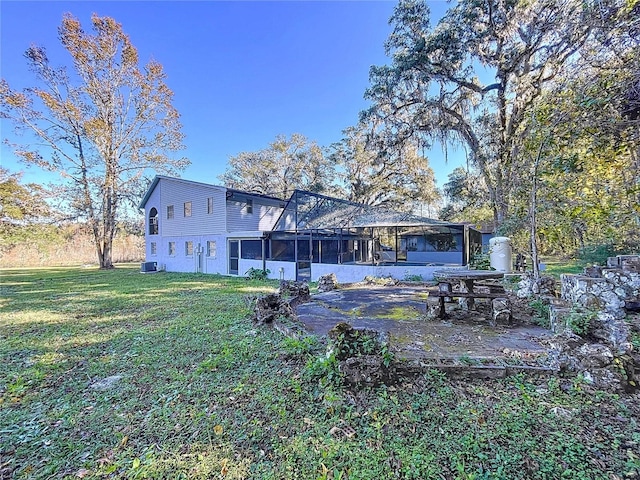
{"x":500,"y":254}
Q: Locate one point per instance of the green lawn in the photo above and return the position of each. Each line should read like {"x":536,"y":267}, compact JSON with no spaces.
{"x":203,"y":393}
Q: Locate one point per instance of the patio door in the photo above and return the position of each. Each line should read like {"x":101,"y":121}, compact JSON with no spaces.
{"x":303,"y":260}
{"x":234,"y":255}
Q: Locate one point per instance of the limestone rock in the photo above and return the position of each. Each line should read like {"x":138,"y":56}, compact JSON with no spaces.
{"x":559,"y":318}
{"x":528,"y":286}
{"x":595,"y":355}
{"x":328,"y":282}
{"x":295,"y":289}
{"x":614,"y":331}
{"x":366,"y":370}
{"x":106,"y":383}
{"x":433,"y":307}
{"x":501,"y":312}
{"x":594,"y":271}
{"x":270,"y":307}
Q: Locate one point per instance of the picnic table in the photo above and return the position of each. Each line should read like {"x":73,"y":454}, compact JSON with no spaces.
{"x":466,"y":279}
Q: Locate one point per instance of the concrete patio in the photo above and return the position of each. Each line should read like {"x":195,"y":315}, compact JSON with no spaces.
{"x":465,"y":338}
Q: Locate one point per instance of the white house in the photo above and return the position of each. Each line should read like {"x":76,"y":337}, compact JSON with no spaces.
{"x":196,"y":227}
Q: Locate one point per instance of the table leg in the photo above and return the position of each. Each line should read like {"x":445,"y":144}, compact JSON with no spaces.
{"x":467,"y":303}
{"x":446,"y":288}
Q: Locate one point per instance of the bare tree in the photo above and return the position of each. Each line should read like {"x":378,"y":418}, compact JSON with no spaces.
{"x":101,"y":130}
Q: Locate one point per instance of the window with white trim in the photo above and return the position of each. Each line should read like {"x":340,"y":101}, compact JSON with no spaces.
{"x":153,"y":221}
{"x":211,"y":248}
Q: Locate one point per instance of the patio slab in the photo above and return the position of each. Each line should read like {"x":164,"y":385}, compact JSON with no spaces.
{"x":401,"y":312}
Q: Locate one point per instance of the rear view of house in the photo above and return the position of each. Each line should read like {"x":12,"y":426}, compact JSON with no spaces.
{"x":195,"y":227}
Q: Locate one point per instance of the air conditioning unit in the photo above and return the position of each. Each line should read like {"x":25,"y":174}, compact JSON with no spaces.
{"x":149,"y":267}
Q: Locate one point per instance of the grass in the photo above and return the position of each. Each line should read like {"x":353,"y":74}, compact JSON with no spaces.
{"x":556,"y":266}
{"x":203,"y":393}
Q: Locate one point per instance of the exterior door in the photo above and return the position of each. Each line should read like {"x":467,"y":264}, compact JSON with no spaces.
{"x":234,"y":255}
{"x":303,"y":263}
{"x":199,"y":259}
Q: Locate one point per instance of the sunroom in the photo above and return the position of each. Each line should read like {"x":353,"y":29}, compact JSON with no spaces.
{"x":317,"y":234}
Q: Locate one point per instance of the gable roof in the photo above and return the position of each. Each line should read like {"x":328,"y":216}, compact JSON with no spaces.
{"x":230,"y":192}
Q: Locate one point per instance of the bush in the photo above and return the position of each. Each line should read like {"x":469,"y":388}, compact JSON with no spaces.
{"x":581,"y":321}
{"x":597,"y":254}
{"x":480,"y":261}
{"x":408,"y":277}
{"x":257,"y":274}
{"x":541,"y":309}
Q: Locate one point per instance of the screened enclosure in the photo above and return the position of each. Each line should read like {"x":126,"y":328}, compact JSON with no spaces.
{"x":315,"y":228}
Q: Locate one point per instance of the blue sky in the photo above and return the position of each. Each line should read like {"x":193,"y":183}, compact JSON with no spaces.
{"x":241,"y":72}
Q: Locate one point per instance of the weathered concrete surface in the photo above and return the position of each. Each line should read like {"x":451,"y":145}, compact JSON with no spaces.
{"x":401,"y":311}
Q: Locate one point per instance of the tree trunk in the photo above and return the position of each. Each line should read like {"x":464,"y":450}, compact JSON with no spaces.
{"x":535,"y":259}
{"x":106,"y":261}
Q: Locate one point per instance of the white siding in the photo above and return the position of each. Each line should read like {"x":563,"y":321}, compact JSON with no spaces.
{"x":176,"y":193}
{"x":263,"y":217}
{"x":201,"y":226}
{"x":180,"y":262}
{"x":153,"y":202}
{"x":435,"y":257}
{"x":356,"y":273}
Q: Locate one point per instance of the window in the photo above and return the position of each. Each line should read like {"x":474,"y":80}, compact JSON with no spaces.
{"x":249,"y":206}
{"x":187,"y":209}
{"x":153,"y":221}
{"x":210,"y":205}
{"x":283,"y":250}
{"x":188,"y":249}
{"x":251,"y":249}
{"x":153,"y":248}
{"x":211,"y":248}
{"x":169,"y":211}
{"x":172,"y":248}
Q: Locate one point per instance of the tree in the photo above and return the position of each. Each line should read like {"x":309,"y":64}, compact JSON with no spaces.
{"x":435,"y":88}
{"x":21,"y":206}
{"x":401,"y":181}
{"x":20,"y":203}
{"x":287,"y":164}
{"x":103,"y":134}
{"x":580,"y":171}
{"x":466,"y":197}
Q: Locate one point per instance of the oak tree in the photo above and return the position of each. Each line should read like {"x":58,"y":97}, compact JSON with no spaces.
{"x":472,"y":78}
{"x":285,"y":165}
{"x":401,"y":179}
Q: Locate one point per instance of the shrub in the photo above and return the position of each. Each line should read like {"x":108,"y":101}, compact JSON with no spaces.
{"x":480,"y":261}
{"x":541,"y":310}
{"x":581,"y":321}
{"x":257,"y":274}
{"x":408,"y":277}
{"x":597,"y":254}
